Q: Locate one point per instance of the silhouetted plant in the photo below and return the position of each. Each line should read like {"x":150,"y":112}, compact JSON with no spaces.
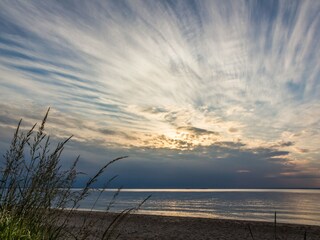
{"x":36,"y":196}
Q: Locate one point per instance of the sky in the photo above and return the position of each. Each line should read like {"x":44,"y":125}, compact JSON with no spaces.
{"x":198,"y":94}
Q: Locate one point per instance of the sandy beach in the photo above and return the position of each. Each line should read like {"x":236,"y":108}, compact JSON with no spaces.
{"x":137,"y":226}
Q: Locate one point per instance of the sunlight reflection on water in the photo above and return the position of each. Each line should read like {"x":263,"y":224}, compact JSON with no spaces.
{"x":292,"y":205}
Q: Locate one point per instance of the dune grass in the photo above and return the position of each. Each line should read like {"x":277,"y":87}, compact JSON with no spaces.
{"x":36,"y":196}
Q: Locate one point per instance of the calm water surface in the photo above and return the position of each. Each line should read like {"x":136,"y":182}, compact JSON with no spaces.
{"x":292,"y":206}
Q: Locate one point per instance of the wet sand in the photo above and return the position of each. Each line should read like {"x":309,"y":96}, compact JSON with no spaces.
{"x":136,"y":226}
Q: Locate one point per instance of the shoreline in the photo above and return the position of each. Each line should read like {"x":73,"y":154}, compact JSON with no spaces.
{"x":142,"y":226}
{"x":142,"y":212}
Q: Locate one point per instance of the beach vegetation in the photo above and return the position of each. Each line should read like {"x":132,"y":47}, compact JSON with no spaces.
{"x":37,"y":197}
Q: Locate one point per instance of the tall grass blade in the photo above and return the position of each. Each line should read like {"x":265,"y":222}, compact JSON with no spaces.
{"x":275,"y":225}
{"x":250,"y":232}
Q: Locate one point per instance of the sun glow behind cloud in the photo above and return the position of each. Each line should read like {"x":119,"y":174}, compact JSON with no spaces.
{"x":178,"y":75}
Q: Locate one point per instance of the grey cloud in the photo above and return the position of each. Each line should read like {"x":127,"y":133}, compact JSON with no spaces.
{"x":237,"y":145}
{"x":284,"y":144}
{"x":197,"y":131}
{"x":107,"y":131}
{"x":303,"y":150}
{"x":4,"y":119}
{"x":233,"y":130}
{"x":155,"y":110}
{"x":171,"y":118}
{"x":270,"y":153}
{"x":287,"y":144}
{"x":116,"y":133}
{"x":300,"y":175}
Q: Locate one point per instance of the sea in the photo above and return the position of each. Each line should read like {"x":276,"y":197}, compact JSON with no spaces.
{"x":298,"y":206}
